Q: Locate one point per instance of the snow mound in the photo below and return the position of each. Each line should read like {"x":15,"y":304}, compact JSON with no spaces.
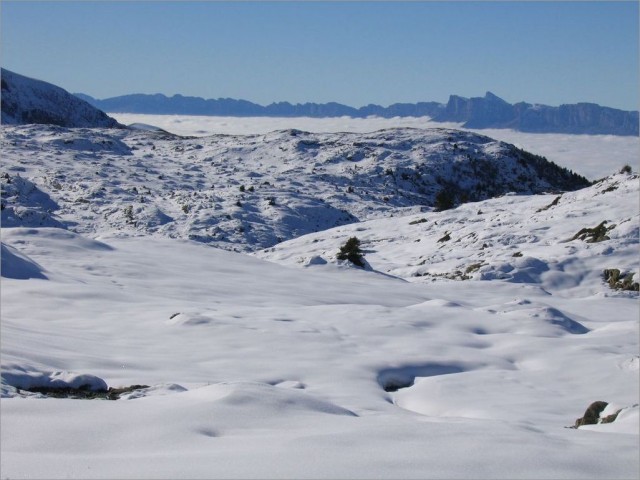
{"x":27,"y":378}
{"x":18,"y":266}
{"x":24,"y":204}
{"x":264,"y":400}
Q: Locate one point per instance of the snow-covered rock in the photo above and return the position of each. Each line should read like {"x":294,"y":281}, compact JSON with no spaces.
{"x":26,"y":100}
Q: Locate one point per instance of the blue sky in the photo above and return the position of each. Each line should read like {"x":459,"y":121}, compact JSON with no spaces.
{"x":350,"y":52}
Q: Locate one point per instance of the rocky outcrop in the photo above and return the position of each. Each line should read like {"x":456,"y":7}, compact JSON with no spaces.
{"x":491,"y":111}
{"x":592,"y":416}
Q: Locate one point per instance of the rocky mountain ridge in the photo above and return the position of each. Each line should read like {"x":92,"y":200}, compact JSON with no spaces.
{"x":489,"y":111}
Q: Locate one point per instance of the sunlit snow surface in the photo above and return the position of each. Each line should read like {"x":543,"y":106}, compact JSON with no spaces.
{"x":594,"y":156}
{"x":276,"y":364}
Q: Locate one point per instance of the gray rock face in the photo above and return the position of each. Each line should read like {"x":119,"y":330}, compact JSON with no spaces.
{"x":491,"y":111}
{"x":25,"y":100}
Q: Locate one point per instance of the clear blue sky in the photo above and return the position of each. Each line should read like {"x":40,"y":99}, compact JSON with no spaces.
{"x":350,"y":52}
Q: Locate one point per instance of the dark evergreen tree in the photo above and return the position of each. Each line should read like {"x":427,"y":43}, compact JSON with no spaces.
{"x":351,"y":251}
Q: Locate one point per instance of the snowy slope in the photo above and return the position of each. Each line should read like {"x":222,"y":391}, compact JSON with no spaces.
{"x":285,"y":363}
{"x":26,"y":100}
{"x":253,"y":191}
{"x":521,"y":239}
{"x":260,"y":370}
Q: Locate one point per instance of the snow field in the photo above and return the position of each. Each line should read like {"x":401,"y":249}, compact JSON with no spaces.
{"x":284,"y":366}
{"x":286,"y":363}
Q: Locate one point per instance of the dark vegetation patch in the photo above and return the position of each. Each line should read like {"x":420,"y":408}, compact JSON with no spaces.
{"x":560,"y":177}
{"x":351,"y":251}
{"x":84,"y":392}
{"x":455,"y":275}
{"x":552,"y":204}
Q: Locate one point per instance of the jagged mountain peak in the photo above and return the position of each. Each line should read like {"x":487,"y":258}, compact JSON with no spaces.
{"x":493,"y":97}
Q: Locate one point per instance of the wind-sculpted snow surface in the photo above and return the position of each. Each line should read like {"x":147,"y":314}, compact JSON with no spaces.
{"x":262,"y":370}
{"x":253,"y":191}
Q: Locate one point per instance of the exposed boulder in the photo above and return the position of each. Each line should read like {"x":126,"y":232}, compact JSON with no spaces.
{"x":592,"y":414}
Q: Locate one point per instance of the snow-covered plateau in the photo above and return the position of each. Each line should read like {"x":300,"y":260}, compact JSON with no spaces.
{"x":136,"y":343}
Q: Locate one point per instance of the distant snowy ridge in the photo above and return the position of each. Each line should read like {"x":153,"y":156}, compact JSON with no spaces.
{"x":489,"y":111}
{"x":251,"y":192}
{"x":26,"y":100}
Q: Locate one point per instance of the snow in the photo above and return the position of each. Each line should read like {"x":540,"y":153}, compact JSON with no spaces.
{"x":248,"y":192}
{"x":286,"y":363}
{"x":594,"y":156}
{"x":27,"y":100}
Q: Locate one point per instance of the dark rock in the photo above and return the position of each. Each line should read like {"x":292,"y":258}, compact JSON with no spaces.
{"x":617,"y":281}
{"x":610,"y":418}
{"x":592,"y":414}
{"x":595,"y":234}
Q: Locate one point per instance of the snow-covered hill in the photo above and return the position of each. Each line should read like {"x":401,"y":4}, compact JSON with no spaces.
{"x":253,"y":191}
{"x":523,"y":239}
{"x":26,"y":100}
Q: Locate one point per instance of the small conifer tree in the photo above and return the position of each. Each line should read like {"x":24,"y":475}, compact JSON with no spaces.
{"x":445,"y":200}
{"x":351,"y":251}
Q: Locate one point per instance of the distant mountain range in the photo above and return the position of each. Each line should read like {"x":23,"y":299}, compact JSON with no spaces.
{"x":26,"y":100}
{"x":489,"y":111}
